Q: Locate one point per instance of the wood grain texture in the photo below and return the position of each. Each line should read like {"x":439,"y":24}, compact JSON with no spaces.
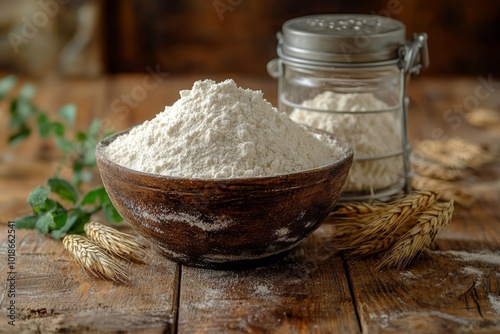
{"x":454,"y":288}
{"x":306,"y":292}
{"x":440,"y":293}
{"x":53,"y":294}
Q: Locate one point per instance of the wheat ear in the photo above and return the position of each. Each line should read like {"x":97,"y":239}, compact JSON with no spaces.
{"x":367,"y":229}
{"x":356,"y":208}
{"x":483,"y":117}
{"x":94,"y":259}
{"x":397,"y":214}
{"x":420,"y":236}
{"x":116,"y":242}
{"x":435,"y":170}
{"x":448,"y":190}
{"x":454,"y":153}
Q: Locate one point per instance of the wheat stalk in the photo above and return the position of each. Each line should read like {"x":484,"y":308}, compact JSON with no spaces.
{"x":364,"y":229}
{"x":436,"y":151}
{"x":448,"y":190}
{"x":483,"y":117}
{"x":94,"y":259}
{"x":355,"y":208}
{"x":116,"y":242}
{"x":401,"y":229}
{"x":396,"y":215}
{"x":436,"y":170}
{"x":454,"y":153}
{"x":420,"y":236}
{"x":472,"y":155}
{"x":379,"y":243}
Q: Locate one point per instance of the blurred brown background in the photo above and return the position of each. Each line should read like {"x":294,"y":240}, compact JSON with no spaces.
{"x":221,"y":36}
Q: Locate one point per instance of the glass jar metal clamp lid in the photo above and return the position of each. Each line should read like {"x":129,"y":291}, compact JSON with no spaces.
{"x":348,"y":74}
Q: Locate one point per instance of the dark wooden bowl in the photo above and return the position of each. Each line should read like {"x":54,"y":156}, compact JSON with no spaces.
{"x":223,"y":223}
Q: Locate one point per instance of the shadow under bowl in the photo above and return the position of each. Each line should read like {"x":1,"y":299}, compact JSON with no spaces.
{"x":224,"y":223}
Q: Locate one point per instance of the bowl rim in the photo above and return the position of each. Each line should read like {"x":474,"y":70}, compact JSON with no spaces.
{"x":341,"y":141}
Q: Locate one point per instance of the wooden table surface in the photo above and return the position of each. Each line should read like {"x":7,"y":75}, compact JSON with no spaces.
{"x":452,"y":289}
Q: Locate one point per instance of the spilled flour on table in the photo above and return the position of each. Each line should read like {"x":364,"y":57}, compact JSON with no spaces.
{"x":485,"y":256}
{"x":495,"y":302}
{"x":471,"y":271}
{"x":410,"y":275}
{"x":382,"y":318}
{"x":262,"y":290}
{"x":228,"y":288}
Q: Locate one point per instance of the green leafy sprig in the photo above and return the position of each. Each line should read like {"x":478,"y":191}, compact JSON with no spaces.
{"x":61,"y":206}
{"x":59,"y":210}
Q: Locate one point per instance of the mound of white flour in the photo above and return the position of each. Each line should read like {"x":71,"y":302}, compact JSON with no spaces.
{"x":219,"y":130}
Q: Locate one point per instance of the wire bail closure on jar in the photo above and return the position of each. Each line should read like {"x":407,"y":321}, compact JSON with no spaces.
{"x":343,"y":45}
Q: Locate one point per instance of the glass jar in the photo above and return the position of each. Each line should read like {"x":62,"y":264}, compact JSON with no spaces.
{"x":347,"y":74}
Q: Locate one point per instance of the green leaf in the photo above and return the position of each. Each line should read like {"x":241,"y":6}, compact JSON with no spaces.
{"x":57,"y":234}
{"x":65,"y":145}
{"x":68,"y":112}
{"x":44,"y":222}
{"x":15,"y":119}
{"x":20,"y":111}
{"x":95,"y":196}
{"x":44,"y":126}
{"x":71,"y":220}
{"x":78,"y":218}
{"x":6,"y":84}
{"x":19,"y":136}
{"x":63,"y":189}
{"x":27,"y":222}
{"x":52,"y":206}
{"x":89,"y":158}
{"x":27,"y":92}
{"x":58,"y":129}
{"x":48,"y":206}
{"x":101,"y":196}
{"x":82,"y":176}
{"x":38,"y":197}
{"x":108,"y":133}
{"x":111,"y":213}
{"x":94,"y":128}
{"x":81,"y":136}
{"x":60,"y":219}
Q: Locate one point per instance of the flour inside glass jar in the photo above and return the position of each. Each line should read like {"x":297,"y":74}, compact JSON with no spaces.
{"x":370,"y":135}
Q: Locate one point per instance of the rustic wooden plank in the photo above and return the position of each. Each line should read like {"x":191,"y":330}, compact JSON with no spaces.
{"x":443,"y":292}
{"x":305,"y":292}
{"x":454,"y":288}
{"x":53,"y":294}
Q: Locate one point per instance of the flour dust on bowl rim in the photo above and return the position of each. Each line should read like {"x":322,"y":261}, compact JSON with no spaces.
{"x":224,"y":223}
